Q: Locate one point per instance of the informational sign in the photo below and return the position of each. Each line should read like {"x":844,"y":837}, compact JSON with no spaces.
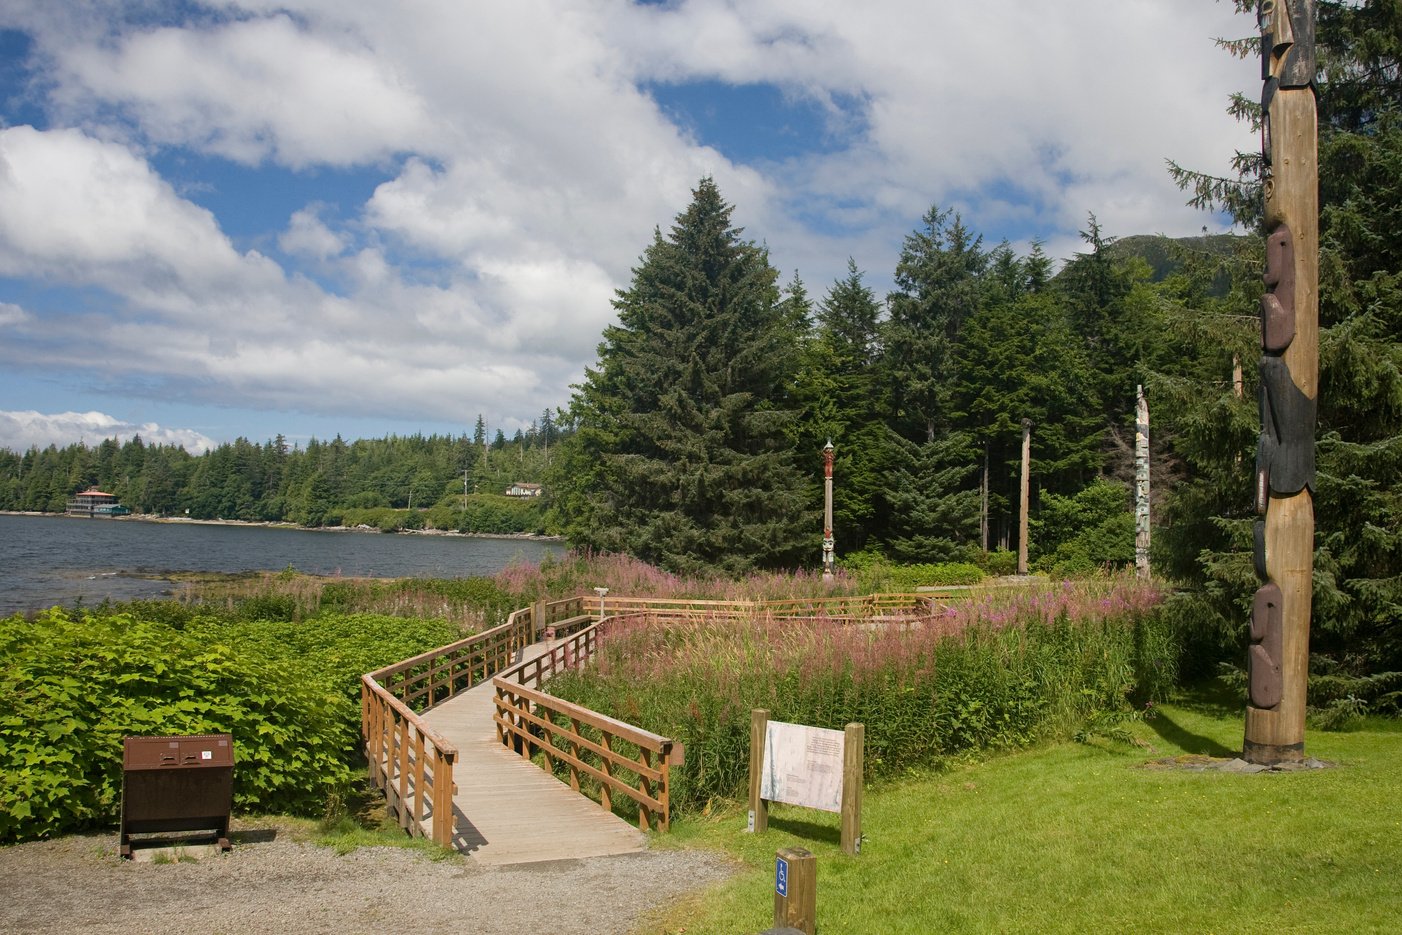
{"x":781,"y":876}
{"x":802,"y":766}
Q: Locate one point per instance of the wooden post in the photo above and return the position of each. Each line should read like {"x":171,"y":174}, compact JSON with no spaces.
{"x":1238,"y":383}
{"x":418,"y":782}
{"x":443,"y":799}
{"x":1141,"y":483}
{"x":853,"y":765}
{"x":1278,"y":656}
{"x":759,"y":809}
{"x":983,"y":501}
{"x":796,"y":890}
{"x":1022,"y":507}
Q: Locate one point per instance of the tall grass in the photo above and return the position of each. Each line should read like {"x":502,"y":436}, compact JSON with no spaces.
{"x":578,"y":572}
{"x":470,"y":604}
{"x":997,"y":671}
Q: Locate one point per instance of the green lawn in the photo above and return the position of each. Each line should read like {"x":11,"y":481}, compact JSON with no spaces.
{"x":1079,"y":838}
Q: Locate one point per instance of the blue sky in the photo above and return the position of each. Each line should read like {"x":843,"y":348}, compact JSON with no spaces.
{"x":311,"y":217}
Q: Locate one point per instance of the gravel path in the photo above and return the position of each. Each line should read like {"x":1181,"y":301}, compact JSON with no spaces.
{"x":78,"y":885}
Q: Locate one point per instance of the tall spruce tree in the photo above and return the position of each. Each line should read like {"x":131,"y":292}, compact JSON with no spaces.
{"x":844,"y":402}
{"x":929,"y":491}
{"x":687,"y":413}
{"x":937,"y":289}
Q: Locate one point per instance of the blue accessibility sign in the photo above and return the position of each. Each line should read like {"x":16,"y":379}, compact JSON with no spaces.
{"x":781,"y":876}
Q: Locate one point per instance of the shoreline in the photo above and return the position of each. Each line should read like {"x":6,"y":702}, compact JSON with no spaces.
{"x":279,"y":524}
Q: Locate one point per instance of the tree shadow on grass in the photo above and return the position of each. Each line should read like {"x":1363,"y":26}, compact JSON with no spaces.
{"x":1186,"y":740}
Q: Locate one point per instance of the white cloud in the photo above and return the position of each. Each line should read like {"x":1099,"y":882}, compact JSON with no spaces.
{"x":526,"y":168}
{"x":22,"y":430}
{"x":306,"y":235}
{"x":82,"y":211}
{"x":252,"y":90}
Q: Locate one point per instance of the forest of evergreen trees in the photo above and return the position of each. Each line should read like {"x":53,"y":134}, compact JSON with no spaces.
{"x":396,"y":482}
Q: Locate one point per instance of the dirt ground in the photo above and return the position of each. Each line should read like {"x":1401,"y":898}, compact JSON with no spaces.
{"x":272,"y":883}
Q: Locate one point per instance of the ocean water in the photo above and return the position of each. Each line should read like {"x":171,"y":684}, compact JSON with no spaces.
{"x":48,"y":560}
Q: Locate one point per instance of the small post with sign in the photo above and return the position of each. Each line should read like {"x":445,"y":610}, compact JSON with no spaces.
{"x":796,"y":890}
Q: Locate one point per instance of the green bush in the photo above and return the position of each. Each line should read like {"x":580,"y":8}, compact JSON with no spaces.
{"x":944,"y":574}
{"x":999,"y":562}
{"x":874,"y":574}
{"x":71,"y":687}
{"x":1084,"y":533}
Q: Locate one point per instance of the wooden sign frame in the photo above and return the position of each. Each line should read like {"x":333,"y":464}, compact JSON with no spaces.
{"x":853,"y":760}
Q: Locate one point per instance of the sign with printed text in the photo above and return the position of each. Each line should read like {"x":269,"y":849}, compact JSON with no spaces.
{"x":802,"y":766}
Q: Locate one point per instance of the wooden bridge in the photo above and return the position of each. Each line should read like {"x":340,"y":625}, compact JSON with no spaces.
{"x":457,"y":737}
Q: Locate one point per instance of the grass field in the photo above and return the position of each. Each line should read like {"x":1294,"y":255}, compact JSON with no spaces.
{"x":1082,"y":838}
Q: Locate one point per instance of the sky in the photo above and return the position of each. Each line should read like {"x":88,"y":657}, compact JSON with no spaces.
{"x":312,"y":217}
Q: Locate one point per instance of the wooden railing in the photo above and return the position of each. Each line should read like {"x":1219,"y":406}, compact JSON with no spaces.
{"x":407,"y":759}
{"x":865,"y":606}
{"x":414,"y":765}
{"x":411,"y":762}
{"x":609,"y":755}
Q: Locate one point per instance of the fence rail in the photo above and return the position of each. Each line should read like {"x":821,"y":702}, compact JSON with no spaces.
{"x":870,"y":605}
{"x":618,"y":757}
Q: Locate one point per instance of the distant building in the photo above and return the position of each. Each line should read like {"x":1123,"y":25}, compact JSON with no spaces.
{"x":94,"y":502}
{"x":524,"y":490}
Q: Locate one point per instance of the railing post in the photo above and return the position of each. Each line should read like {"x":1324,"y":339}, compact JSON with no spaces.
{"x":403,"y":758}
{"x":443,"y":799}
{"x":665,"y":793}
{"x":418,"y":780}
{"x":645,"y":786}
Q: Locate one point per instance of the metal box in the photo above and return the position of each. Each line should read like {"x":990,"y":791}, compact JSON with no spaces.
{"x":172,"y":784}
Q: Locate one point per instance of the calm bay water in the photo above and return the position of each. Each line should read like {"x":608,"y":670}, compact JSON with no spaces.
{"x":47,"y":560}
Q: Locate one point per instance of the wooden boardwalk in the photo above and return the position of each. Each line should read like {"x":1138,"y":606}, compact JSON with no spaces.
{"x":509,"y":810}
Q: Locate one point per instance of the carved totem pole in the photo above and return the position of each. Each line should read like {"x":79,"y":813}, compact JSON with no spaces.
{"x":1278,"y":657}
{"x":829,"y":556}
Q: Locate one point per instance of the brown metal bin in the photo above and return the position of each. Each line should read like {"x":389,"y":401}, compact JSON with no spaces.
{"x":174,"y":784}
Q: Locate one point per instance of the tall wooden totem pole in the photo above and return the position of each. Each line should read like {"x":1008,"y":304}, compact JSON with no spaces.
{"x":1278,"y":657}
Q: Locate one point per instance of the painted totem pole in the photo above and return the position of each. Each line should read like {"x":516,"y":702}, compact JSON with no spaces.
{"x":1278,"y":656}
{"x":829,"y":557}
{"x":1141,"y":483}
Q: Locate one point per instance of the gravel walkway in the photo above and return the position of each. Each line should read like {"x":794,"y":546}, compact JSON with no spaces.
{"x":78,"y":885}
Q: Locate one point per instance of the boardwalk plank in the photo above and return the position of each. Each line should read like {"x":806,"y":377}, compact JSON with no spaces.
{"x":511,"y":811}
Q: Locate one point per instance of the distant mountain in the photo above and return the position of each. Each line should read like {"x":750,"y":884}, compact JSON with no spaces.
{"x":1163,"y":254}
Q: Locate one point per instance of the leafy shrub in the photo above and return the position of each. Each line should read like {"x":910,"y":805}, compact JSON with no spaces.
{"x":72,"y":686}
{"x":1078,"y":535}
{"x":874,"y":573}
{"x":999,"y":562}
{"x":910,"y":577}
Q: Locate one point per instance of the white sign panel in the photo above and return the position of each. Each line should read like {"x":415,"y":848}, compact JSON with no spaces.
{"x":802,"y":766}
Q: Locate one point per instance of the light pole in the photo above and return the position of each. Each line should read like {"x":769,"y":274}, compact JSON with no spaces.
{"x":828,"y":556}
